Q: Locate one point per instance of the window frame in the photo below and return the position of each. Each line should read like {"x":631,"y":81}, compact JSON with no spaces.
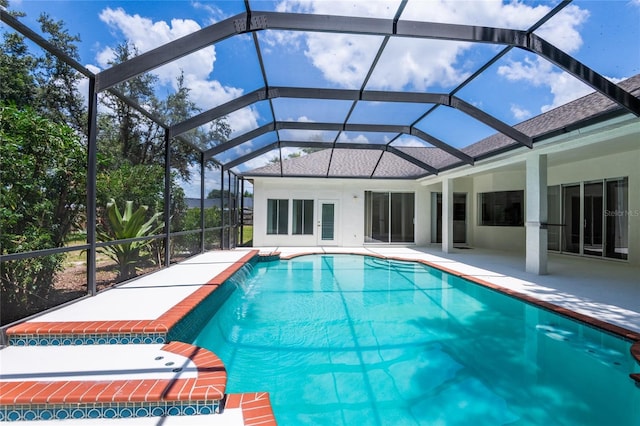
{"x":277,"y":216}
{"x":501,"y":217}
{"x":300,"y":210}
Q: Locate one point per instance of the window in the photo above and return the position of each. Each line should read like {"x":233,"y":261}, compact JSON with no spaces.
{"x":503,"y":208}
{"x":302,"y":217}
{"x":277,"y":216}
{"x":389,"y":217}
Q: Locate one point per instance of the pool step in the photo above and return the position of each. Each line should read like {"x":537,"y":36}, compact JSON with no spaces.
{"x":126,"y":381}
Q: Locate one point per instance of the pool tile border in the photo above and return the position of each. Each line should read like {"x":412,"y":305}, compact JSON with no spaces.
{"x":594,"y":322}
{"x":120,"y":332}
{"x":120,"y":398}
{"x":106,"y":410}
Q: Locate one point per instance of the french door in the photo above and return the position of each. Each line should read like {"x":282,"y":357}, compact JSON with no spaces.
{"x":327,"y":222}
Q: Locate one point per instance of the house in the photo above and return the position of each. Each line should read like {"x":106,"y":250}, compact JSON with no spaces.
{"x":576,"y":191}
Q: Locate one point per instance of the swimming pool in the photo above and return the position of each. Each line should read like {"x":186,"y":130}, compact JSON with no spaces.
{"x":342,"y":339}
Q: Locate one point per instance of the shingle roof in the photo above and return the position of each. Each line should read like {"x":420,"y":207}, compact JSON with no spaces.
{"x":352,"y":163}
{"x":581,"y":109}
{"x":375,"y":163}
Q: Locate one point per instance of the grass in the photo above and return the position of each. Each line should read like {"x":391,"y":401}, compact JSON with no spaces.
{"x":247,"y":235}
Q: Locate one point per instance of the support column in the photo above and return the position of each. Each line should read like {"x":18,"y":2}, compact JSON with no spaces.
{"x":447,"y":215}
{"x":536,"y":218}
{"x":92,"y":167}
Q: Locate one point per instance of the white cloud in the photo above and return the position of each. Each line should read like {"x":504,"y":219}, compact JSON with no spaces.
{"x":197,"y":67}
{"x":147,"y":35}
{"x":419,"y":64}
{"x":408,"y":141}
{"x":264,"y":159}
{"x":520,"y":113}
{"x":416,"y":64}
{"x":540,"y":73}
{"x":360,"y":138}
{"x":563,"y":30}
{"x":371,"y":9}
{"x":214,"y":14}
{"x":347,"y":64}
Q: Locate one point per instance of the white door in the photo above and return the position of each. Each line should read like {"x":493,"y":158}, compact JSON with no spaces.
{"x":327,"y":222}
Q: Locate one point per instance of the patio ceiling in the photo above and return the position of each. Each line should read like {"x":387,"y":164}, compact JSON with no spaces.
{"x":412,"y":128}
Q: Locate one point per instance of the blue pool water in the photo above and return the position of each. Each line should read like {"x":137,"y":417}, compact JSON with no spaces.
{"x":355,"y":340}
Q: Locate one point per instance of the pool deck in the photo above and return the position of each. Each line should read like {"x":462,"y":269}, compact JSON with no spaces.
{"x":599,"y":291}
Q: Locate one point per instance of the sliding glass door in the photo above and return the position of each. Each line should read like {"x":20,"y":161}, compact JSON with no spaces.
{"x":617,"y":218}
{"x":389,"y":217}
{"x":571,"y":215}
{"x":595,"y":218}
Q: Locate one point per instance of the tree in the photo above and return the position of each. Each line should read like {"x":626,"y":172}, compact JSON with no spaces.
{"x":42,"y":169}
{"x":16,"y":71}
{"x":128,"y":225}
{"x":58,"y":96}
{"x":128,"y":135}
{"x":217,"y":193}
{"x":41,"y":80}
{"x":297,"y":154}
{"x":129,"y":144}
{"x":140,"y":140}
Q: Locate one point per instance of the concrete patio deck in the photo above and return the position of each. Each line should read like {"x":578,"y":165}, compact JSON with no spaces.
{"x":604,"y":290}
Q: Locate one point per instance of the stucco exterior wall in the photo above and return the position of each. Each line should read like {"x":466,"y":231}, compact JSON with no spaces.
{"x":349,"y":195}
{"x":509,"y":238}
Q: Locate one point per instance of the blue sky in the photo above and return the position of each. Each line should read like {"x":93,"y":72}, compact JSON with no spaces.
{"x":603,"y":34}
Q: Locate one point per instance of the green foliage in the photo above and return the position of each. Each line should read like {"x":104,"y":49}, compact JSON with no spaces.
{"x":212,"y":218}
{"x":41,"y":80}
{"x":58,"y":96}
{"x":126,"y":225}
{"x":43,"y":154}
{"x":16,"y":65}
{"x":190,"y":221}
{"x":143,"y":184}
{"x":217,"y":193}
{"x":42,"y":170}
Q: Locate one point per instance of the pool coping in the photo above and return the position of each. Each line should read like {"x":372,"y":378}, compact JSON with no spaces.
{"x":617,"y":330}
{"x":209,"y":385}
{"x":118,"y":328}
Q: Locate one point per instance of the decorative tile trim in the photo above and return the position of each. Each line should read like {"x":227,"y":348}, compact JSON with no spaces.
{"x":268,"y":257}
{"x":107,"y":410}
{"x":121,"y":332}
{"x":187,"y":329}
{"x":88,"y":339}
